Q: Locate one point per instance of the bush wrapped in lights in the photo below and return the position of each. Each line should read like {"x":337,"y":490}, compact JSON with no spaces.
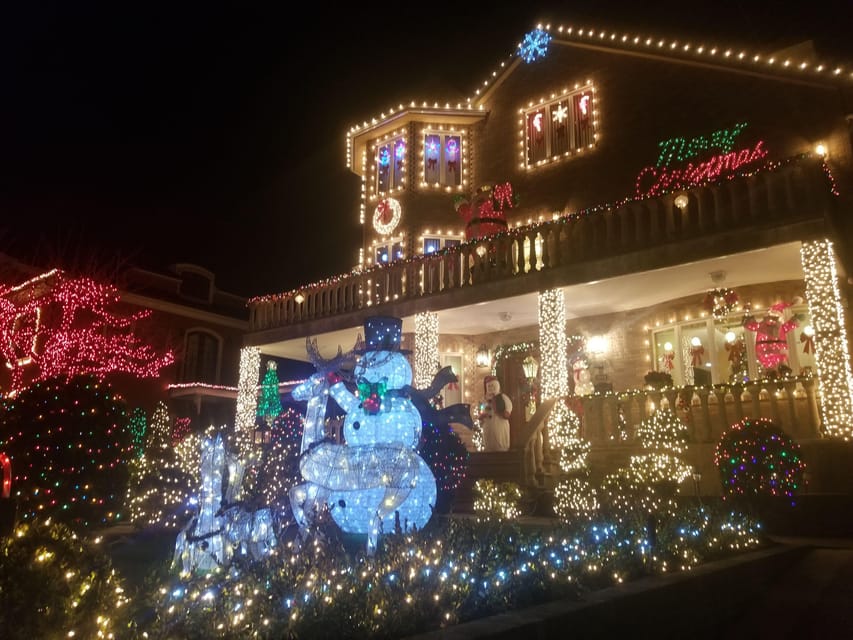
{"x":55,"y":584}
{"x":493,"y":500}
{"x":69,"y":447}
{"x":161,"y":485}
{"x":663,"y":439}
{"x":451,"y":572}
{"x":758,"y":460}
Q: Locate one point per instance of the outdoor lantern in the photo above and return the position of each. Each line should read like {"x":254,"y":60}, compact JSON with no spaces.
{"x":530,"y":366}
{"x":299,"y":298}
{"x":681,"y":201}
{"x":482,"y":358}
{"x":262,"y":435}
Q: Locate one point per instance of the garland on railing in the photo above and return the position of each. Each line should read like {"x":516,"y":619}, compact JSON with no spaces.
{"x":768,"y":167}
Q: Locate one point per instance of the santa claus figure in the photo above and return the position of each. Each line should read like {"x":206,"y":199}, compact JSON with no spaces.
{"x":495,"y":410}
{"x":483,"y":214}
{"x":771,"y":334}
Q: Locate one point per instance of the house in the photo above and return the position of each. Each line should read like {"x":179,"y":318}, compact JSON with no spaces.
{"x":186,"y":315}
{"x":606,"y":205}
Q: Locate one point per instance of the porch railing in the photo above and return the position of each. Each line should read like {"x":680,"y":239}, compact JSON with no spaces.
{"x":794,"y":191}
{"x":707,"y":411}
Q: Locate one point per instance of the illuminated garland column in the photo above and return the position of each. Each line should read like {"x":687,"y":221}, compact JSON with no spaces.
{"x":830,"y":339}
{"x":247,"y":400}
{"x":426,"y":348}
{"x":553,"y":368}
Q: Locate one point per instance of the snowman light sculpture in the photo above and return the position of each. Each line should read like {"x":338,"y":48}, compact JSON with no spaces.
{"x":375,"y":477}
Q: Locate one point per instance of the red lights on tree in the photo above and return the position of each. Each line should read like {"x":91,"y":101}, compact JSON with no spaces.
{"x":56,"y":325}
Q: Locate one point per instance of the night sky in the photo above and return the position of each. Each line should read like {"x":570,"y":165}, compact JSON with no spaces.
{"x":153,"y":133}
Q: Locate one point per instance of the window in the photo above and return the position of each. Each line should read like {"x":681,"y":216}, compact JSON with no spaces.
{"x":559,"y":128}
{"x":201,"y":357}
{"x":390,"y":252}
{"x":433,"y":273}
{"x":436,"y":243}
{"x":708,"y":352}
{"x":443,"y":159}
{"x":390,"y":165}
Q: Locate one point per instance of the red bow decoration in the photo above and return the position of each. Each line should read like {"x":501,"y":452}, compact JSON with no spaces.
{"x":668,"y":359}
{"x":735,"y":350}
{"x":808,"y":343}
{"x":696,"y":353}
{"x":384,"y":211}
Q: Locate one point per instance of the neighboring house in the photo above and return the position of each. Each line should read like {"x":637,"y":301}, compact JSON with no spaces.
{"x":202,"y":326}
{"x":603,"y":206}
{"x":205,"y":328}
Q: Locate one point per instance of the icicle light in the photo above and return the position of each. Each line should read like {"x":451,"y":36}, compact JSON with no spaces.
{"x":830,"y":339}
{"x":426,"y":348}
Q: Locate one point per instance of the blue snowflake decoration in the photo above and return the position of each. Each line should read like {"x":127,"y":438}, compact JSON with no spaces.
{"x":534,"y":45}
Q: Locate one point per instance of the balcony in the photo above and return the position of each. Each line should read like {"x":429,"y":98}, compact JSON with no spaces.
{"x":788,"y":202}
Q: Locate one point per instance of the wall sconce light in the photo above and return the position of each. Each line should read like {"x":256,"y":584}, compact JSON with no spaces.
{"x":597,"y":345}
{"x":299,"y":298}
{"x":482,"y":358}
{"x":481,"y":250}
{"x":820,"y":149}
{"x":681,"y":201}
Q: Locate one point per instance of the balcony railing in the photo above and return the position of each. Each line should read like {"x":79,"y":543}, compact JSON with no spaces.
{"x":794,"y":191}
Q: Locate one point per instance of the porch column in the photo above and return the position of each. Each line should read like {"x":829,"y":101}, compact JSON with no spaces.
{"x":553,"y":366}
{"x":247,"y":400}
{"x":835,"y":395}
{"x":427,"y":361}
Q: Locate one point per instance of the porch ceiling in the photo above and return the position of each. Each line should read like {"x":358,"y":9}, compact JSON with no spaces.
{"x":623,"y":293}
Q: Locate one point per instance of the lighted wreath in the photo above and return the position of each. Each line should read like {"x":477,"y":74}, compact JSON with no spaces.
{"x":720,"y":302}
{"x":386,"y":217}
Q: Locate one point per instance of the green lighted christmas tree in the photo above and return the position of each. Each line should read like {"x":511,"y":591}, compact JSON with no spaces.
{"x":269,"y":404}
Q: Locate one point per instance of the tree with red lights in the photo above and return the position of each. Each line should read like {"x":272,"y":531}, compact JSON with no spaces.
{"x":55,"y":325}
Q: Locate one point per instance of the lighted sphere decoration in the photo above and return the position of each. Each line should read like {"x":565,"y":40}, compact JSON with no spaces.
{"x":376,"y":476}
{"x":756,"y":458}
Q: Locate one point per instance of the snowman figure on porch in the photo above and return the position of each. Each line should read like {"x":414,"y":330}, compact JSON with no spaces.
{"x":582,"y":377}
{"x":495,"y":411}
{"x":376,"y":476}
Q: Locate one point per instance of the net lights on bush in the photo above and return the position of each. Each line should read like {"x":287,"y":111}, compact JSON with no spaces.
{"x":830,"y":338}
{"x":756,"y":458}
{"x":426,"y":348}
{"x":69,"y":446}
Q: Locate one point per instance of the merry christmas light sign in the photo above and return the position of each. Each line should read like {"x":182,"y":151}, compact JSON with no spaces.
{"x":663,"y":177}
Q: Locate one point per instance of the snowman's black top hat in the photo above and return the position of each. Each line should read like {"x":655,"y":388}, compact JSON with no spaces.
{"x":383,"y":333}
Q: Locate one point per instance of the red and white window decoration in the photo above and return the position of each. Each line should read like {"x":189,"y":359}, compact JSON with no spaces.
{"x":559,"y":128}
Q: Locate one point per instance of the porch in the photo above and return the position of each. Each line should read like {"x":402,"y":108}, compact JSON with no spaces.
{"x":609,"y":422}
